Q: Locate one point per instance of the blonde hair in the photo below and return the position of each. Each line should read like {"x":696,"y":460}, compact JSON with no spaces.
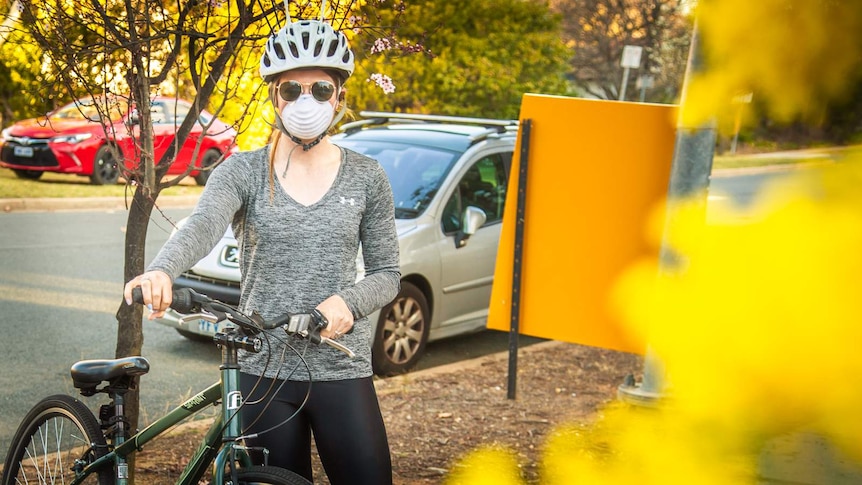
{"x":274,"y":140}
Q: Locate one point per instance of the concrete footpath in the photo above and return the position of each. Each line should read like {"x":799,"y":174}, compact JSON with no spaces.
{"x":44,"y":204}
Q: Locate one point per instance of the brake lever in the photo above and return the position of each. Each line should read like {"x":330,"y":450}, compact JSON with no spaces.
{"x":309,"y":325}
{"x":338,"y":346}
{"x":199,"y":316}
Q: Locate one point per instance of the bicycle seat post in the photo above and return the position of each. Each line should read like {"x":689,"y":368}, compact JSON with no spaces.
{"x":113,"y":419}
{"x":119,"y":398}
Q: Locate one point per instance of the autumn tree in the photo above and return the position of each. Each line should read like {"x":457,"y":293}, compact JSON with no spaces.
{"x":598,"y":30}
{"x":20,"y":70}
{"x":470,"y":58}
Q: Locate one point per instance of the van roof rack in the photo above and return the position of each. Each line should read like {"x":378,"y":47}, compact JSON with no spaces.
{"x":380,"y":118}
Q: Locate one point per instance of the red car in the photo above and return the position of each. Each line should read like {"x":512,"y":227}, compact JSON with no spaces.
{"x":73,"y":139}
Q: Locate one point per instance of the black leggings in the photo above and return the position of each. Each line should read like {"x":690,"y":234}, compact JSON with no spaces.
{"x":344,"y":417}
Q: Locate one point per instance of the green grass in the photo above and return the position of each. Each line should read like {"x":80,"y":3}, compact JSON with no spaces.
{"x":744,"y":161}
{"x":812,"y":155}
{"x":55,"y":185}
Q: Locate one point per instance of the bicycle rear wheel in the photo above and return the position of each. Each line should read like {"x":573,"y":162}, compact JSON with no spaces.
{"x":267,"y":475}
{"x":57,"y":434}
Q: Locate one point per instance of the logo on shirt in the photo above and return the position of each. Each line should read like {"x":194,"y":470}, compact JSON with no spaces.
{"x":345,"y":201}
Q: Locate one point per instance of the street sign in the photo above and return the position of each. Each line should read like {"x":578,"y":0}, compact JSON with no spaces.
{"x":631,"y":56}
{"x":645,"y":82}
{"x":610,"y":201}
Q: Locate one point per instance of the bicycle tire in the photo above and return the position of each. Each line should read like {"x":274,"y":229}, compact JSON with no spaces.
{"x":54,"y":434}
{"x":267,"y":475}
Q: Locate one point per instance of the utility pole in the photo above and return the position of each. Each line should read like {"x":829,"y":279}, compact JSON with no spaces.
{"x":689,"y":177}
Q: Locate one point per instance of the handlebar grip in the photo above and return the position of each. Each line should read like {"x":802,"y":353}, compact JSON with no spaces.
{"x":182,"y":299}
{"x":137,"y":295}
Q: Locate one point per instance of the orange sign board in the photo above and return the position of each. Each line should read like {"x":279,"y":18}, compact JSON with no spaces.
{"x":595,"y":170}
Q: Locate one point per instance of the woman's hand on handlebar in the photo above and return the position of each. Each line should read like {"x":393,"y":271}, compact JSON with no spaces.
{"x":157,"y":290}
{"x":340,"y":317}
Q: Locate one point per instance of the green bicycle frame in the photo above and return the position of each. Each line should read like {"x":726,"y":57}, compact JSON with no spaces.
{"x":219,"y":443}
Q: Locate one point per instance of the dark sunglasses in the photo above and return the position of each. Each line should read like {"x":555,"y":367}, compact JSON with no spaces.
{"x":291,"y":90}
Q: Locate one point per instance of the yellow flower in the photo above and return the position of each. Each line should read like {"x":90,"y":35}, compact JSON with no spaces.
{"x":486,"y":466}
{"x":791,"y":54}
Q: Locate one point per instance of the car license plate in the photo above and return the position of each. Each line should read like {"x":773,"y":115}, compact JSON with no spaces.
{"x":23,"y":152}
{"x":208,"y":327}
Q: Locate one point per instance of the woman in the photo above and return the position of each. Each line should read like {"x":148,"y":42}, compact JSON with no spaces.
{"x":300,"y":207}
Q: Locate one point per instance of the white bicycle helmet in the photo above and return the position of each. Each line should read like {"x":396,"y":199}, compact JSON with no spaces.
{"x":303,"y":44}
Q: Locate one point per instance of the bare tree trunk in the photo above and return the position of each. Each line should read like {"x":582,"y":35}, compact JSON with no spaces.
{"x":130,"y":337}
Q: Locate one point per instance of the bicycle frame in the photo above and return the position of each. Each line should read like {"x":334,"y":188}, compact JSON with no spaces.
{"x":219,"y":443}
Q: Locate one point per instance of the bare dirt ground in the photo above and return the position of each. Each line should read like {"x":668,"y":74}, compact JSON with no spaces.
{"x":434,"y":417}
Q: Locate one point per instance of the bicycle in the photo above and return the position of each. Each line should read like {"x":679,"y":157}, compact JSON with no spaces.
{"x":61,"y":441}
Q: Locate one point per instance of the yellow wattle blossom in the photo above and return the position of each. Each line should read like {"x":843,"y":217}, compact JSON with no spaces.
{"x":791,"y":54}
{"x":486,"y":466}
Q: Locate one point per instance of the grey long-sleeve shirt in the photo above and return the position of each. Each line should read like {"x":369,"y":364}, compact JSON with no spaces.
{"x":292,"y":257}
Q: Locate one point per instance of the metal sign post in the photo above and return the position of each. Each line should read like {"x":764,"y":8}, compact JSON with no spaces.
{"x":631,"y":59}
{"x":643,"y":83}
{"x":517,"y":267}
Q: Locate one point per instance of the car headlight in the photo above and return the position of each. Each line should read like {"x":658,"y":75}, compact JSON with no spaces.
{"x":4,"y":135}
{"x":76,"y":138}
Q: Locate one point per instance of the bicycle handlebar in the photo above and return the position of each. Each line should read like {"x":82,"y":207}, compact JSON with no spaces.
{"x":197,"y":305}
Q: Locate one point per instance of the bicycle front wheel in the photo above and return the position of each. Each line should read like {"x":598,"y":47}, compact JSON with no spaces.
{"x":57,"y":437}
{"x":267,"y":475}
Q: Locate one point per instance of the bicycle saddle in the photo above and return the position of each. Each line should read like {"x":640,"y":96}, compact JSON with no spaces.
{"x":90,"y":373}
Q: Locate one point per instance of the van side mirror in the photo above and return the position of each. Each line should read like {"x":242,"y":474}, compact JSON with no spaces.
{"x":473,"y":219}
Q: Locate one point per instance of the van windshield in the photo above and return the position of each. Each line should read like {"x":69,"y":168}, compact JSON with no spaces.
{"x":415,"y":172}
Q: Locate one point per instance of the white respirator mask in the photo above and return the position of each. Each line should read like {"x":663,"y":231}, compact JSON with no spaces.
{"x":307,"y":118}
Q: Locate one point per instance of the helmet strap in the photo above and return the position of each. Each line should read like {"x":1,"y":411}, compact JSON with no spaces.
{"x":305,"y":146}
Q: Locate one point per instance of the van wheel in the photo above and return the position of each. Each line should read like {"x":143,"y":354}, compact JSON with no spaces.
{"x":402,"y":332}
{"x":105,"y":171}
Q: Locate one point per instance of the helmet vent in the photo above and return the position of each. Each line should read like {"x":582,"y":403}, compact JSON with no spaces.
{"x":318,"y":46}
{"x":279,"y":51}
{"x":332,"y":48}
{"x":305,"y":38}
